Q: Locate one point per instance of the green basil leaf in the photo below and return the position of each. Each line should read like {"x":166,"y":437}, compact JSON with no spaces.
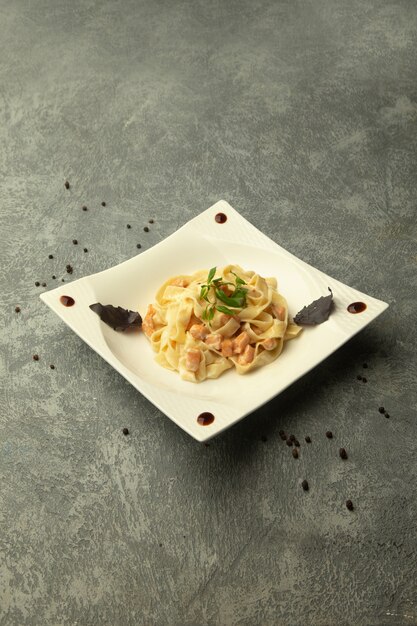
{"x":239,"y":281}
{"x":224,"y":309}
{"x":234,"y":301}
{"x":211,"y":274}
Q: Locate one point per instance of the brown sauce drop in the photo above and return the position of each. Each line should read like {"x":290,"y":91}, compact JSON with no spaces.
{"x":221,"y":218}
{"x":67,"y":300}
{"x":356,"y":307}
{"x":204,"y":419}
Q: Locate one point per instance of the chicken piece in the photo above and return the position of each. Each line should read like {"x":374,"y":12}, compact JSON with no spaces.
{"x":147,"y":324}
{"x":179,"y":282}
{"x":227,"y":347}
{"x":193,"y":320}
{"x":240,"y":342}
{"x":269,"y":344}
{"x":192,"y":359}
{"x":247,"y":355}
{"x":199,"y":331}
{"x":279,"y":312}
{"x":225,"y":289}
{"x":214,"y":340}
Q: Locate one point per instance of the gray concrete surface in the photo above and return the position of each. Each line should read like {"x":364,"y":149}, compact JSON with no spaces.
{"x":303,"y":116}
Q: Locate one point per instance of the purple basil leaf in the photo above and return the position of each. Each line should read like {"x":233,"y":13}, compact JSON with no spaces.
{"x":117,"y":317}
{"x":316,"y":312}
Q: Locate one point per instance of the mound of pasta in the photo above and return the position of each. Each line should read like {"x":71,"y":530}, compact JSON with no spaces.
{"x":205,"y":323}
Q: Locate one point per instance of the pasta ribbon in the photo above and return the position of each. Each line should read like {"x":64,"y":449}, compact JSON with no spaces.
{"x":199,"y":346}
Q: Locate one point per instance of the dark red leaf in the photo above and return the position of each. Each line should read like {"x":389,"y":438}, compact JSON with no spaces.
{"x":316,"y":312}
{"x":117,"y":317}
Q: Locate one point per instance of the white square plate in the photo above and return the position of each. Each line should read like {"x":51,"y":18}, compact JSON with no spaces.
{"x":199,"y":244}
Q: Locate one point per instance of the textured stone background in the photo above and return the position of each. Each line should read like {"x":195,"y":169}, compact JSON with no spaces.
{"x":303,"y":115}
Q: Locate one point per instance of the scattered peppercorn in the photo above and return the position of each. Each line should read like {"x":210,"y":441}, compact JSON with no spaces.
{"x":359,"y":377}
{"x":125,"y":431}
{"x":53,"y":276}
{"x":308,"y":439}
{"x":304,"y":485}
{"x":52,"y":366}
{"x":128,"y":226}
{"x":146,"y":229}
{"x":386,"y":414}
{"x":17,"y":309}
{"x":151,"y":221}
{"x":381,"y":409}
{"x":291,"y":437}
{"x":329,"y":434}
{"x":75,"y":242}
{"x":63,"y":280}
{"x":160,"y":545}
{"x":296,"y":443}
{"x":283,"y":435}
{"x":365,"y":365}
{"x":84,"y":208}
{"x":50,"y":256}
{"x":37,"y":283}
{"x":85,"y":249}
{"x":43,"y":284}
{"x":103,"y":204}
{"x":289,"y":442}
{"x":69,"y":269}
{"x":349,"y":505}
{"x":343,"y":454}
{"x":364,"y":380}
{"x":295,"y":453}
{"x":35,"y":357}
{"x":138,"y":246}
{"x":66,"y":184}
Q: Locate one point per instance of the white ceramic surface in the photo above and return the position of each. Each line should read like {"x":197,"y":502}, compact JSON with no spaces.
{"x":202,"y":243}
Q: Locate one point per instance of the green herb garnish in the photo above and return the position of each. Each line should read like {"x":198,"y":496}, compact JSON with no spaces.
{"x":211,"y":292}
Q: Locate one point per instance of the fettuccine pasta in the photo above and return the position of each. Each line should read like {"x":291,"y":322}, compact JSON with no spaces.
{"x":205,"y":323}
